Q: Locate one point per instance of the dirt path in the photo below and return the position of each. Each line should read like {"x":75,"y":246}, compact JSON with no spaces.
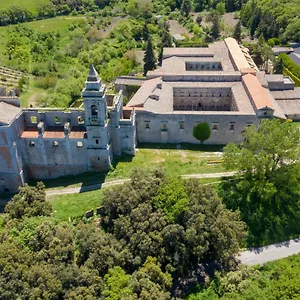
{"x":75,"y":190}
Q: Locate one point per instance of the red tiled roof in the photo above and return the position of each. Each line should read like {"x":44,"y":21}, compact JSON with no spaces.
{"x":29,"y":134}
{"x":77,"y":134}
{"x":257,"y":93}
{"x":54,"y":135}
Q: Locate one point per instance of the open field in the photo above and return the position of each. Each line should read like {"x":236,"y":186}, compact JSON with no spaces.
{"x":53,"y":24}
{"x":31,"y":5}
{"x":190,"y":159}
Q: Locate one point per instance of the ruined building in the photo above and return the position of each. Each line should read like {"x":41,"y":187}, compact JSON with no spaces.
{"x":219,"y":85}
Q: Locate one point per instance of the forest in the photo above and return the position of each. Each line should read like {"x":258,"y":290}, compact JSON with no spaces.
{"x":163,"y":237}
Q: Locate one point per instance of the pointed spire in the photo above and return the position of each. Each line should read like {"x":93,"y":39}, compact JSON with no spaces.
{"x":93,"y":75}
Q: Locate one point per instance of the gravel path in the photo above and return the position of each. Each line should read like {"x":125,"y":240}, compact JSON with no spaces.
{"x":75,"y":190}
{"x":261,"y":255}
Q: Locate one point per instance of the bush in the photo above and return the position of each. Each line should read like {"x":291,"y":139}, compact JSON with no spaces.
{"x":201,"y":132}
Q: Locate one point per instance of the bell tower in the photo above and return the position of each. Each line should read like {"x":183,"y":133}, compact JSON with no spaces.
{"x":96,"y":122}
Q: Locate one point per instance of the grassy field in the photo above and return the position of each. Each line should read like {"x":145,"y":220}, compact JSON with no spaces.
{"x":74,"y":205}
{"x":54,"y":24}
{"x":31,"y":5}
{"x":190,"y":159}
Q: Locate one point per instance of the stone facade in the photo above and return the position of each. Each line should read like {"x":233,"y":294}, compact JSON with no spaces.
{"x":48,"y":143}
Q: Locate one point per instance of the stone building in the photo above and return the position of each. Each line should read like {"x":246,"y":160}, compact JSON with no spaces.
{"x":44,"y":143}
{"x":219,"y":85}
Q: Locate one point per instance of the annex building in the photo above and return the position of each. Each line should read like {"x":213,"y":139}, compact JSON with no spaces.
{"x":219,"y":85}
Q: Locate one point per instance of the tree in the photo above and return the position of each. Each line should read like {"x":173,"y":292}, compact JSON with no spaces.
{"x":171,"y":199}
{"x":185,"y":8}
{"x":199,"y":19}
{"x":149,"y":58}
{"x":145,"y":32}
{"x":166,"y":41}
{"x":214,"y":17}
{"x":268,"y":192}
{"x":201,"y":132}
{"x":238,"y":31}
{"x":278,"y":68}
{"x":29,"y":202}
{"x":220,"y":8}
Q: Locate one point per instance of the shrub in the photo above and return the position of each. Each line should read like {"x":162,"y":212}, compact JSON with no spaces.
{"x":201,"y":132}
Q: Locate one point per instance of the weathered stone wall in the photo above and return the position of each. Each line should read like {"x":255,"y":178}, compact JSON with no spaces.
{"x":178,"y":128}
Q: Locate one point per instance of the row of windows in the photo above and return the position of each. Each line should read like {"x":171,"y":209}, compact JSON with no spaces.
{"x":80,"y":120}
{"x":55,"y":144}
{"x":215,"y":126}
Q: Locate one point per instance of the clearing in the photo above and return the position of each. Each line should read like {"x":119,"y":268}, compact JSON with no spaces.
{"x":31,"y":5}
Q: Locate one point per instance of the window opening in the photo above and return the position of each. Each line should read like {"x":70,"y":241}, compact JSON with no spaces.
{"x":57,"y":120}
{"x":94,"y":110}
{"x":33,"y":119}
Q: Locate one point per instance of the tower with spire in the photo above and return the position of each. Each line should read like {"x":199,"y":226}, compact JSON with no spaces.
{"x":96,"y":122}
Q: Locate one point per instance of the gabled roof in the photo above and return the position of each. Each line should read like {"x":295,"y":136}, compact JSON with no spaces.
{"x":260,"y":99}
{"x":8,"y":113}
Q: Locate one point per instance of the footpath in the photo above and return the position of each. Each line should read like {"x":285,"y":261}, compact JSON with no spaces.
{"x":75,"y":190}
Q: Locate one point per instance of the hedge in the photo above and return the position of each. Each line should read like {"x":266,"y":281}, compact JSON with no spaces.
{"x":290,"y":64}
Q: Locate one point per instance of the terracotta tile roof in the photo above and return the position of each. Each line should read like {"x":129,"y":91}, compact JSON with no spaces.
{"x":259,"y":97}
{"x":54,"y":135}
{"x":77,"y":134}
{"x":30,"y":134}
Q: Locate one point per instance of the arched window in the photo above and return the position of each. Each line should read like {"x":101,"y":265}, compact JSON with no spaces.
{"x":94,"y":110}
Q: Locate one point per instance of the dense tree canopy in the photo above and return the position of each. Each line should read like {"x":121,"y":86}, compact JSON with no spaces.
{"x":150,"y":233}
{"x":267,"y":194}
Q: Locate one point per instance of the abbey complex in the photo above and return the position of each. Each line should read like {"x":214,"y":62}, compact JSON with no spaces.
{"x":219,"y":85}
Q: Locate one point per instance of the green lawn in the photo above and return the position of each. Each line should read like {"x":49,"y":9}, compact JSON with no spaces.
{"x":31,"y":5}
{"x":176,"y":162}
{"x":53,"y":24}
{"x":74,"y":205}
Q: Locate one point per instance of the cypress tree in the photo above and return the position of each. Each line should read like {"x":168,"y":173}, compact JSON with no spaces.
{"x":238,"y":31}
{"x":149,"y":58}
{"x":145,"y":32}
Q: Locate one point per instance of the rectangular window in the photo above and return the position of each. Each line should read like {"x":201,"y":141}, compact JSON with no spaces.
{"x":147,"y":125}
{"x":79,"y":144}
{"x":33,"y":119}
{"x":55,"y":144}
{"x":31,"y":143}
{"x":231,"y":126}
{"x":181,"y":125}
{"x":57,"y":120}
{"x":97,"y":141}
{"x":215,"y":126}
{"x":164,"y":127}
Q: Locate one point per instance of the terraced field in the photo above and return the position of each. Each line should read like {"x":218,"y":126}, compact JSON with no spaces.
{"x":9,"y":77}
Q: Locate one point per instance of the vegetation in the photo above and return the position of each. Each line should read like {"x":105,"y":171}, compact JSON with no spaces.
{"x":267,"y":194}
{"x":201,"y":132}
{"x":133,"y":257}
{"x":274,"y":280}
{"x":280,"y":19}
{"x":289,"y":64}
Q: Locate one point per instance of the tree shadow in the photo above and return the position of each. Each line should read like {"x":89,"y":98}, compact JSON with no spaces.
{"x":87,"y":181}
{"x":182,"y":146}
